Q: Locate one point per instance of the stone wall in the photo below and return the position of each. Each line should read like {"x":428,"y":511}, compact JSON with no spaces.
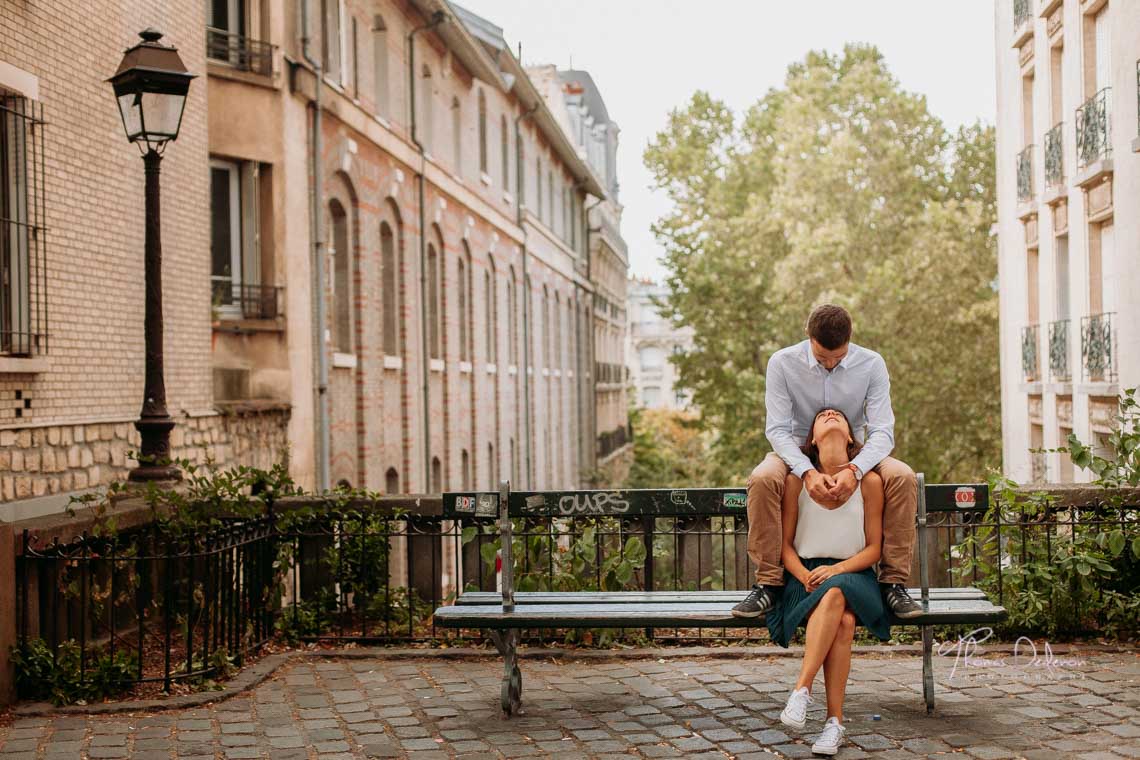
{"x":60,"y":458}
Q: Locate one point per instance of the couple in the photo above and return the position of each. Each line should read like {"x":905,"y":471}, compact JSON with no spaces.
{"x":825,"y":507}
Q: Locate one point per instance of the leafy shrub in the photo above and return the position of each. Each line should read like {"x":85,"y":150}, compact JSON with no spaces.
{"x":62,"y":681}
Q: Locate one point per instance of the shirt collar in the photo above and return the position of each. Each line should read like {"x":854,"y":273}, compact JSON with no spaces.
{"x":809,"y":357}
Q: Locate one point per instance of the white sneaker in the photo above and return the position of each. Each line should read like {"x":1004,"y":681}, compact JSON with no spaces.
{"x":795,"y":712}
{"x":830,"y":739}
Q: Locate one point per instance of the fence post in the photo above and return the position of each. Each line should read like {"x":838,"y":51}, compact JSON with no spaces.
{"x":8,"y":613}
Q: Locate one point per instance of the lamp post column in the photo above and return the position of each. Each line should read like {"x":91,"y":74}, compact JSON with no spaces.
{"x":154,"y":423}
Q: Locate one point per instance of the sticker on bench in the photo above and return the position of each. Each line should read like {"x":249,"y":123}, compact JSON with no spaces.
{"x":965,"y":497}
{"x":487,"y":505}
{"x":465,"y":504}
{"x":734,"y":501}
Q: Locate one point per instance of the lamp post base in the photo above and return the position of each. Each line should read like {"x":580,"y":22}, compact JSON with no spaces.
{"x":154,"y":457}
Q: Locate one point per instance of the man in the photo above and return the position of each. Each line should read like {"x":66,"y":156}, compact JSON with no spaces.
{"x":827,"y":370}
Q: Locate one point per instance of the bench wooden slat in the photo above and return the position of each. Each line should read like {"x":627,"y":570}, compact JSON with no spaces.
{"x":684,"y":615}
{"x":643,"y":597}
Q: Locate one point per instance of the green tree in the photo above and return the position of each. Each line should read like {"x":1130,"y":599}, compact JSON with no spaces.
{"x":839,"y":187}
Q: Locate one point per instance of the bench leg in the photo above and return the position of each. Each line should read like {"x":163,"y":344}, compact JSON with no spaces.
{"x":928,"y":667}
{"x":510,"y":695}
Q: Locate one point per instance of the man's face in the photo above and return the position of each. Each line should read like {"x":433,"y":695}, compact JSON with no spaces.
{"x":828,"y":358}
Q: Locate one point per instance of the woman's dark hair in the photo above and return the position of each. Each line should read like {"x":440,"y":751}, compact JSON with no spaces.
{"x":812,"y":451}
{"x":830,"y":326}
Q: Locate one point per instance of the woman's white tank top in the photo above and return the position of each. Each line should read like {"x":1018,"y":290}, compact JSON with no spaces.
{"x":837,"y":533}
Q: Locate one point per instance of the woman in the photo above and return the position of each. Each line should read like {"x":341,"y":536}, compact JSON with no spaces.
{"x":828,"y":553}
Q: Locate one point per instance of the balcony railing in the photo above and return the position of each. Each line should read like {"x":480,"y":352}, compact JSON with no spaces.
{"x":605,"y":372}
{"x":1022,"y":13}
{"x":1059,"y":350}
{"x":1054,"y":157}
{"x":1025,"y":174}
{"x":613,"y":440}
{"x":1098,"y":347}
{"x":246,"y":301}
{"x":240,"y":52}
{"x":1094,"y":129}
{"x":1030,"y":368}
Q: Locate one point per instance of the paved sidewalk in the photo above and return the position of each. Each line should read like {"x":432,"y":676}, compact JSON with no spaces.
{"x":710,"y":707}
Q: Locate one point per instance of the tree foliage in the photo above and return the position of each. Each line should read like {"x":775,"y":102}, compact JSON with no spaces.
{"x":838,"y":186}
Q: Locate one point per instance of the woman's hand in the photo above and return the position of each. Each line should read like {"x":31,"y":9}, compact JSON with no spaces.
{"x":820,"y":574}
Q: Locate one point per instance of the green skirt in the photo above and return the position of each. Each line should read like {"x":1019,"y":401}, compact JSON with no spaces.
{"x":861,"y":590}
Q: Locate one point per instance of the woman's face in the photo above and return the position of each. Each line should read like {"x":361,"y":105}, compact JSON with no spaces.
{"x":829,"y":421}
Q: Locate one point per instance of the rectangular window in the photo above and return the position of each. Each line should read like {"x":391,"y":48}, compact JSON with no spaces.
{"x":380,"y":64}
{"x":235,"y":253}
{"x":355,"y":61}
{"x":331,"y":47}
{"x":23,"y":303}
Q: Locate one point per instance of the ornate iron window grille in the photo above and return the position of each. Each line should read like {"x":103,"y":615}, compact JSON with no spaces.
{"x":23,"y":254}
{"x":1094,"y":129}
{"x":1025,"y":174}
{"x":252,"y":301}
{"x":1029,"y":363}
{"x":1059,"y":350}
{"x":1098,"y":347}
{"x":1054,"y":157}
{"x":1022,"y":13}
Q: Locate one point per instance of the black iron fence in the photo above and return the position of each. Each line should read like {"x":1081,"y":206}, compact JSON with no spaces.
{"x":1025,"y":173}
{"x":1094,"y":128}
{"x":186,"y":608}
{"x":246,"y":301}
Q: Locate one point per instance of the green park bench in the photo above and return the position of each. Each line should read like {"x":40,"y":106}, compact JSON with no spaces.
{"x":504,"y":615}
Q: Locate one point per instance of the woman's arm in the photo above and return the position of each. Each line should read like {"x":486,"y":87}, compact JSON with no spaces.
{"x":872,"y":490}
{"x":791,"y":514}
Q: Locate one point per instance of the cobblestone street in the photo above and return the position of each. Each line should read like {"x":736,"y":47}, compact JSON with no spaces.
{"x":706,"y":707}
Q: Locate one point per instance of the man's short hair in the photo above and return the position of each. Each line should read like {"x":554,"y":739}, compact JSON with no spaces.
{"x":830,"y":326}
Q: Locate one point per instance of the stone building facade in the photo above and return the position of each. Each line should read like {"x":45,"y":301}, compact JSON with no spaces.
{"x":652,"y":340}
{"x":71,"y":224}
{"x":459,"y":306}
{"x":1068,"y":179}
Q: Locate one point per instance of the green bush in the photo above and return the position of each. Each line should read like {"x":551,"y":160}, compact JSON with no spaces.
{"x":62,"y":681}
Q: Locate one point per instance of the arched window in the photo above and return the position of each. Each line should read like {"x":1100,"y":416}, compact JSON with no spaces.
{"x":550,"y":197}
{"x":545,"y":327}
{"x":538,"y":187}
{"x":466,"y":460}
{"x":433,"y":302}
{"x":341,"y":279}
{"x":456,"y":136}
{"x":463,"y":328}
{"x":389,"y":306}
{"x":491,"y":310}
{"x":505,"y":153}
{"x":482,"y":132}
{"x":514,"y":463}
{"x":436,"y":475}
{"x":521,"y":168}
{"x":558,"y":345}
{"x":380,"y":64}
{"x":492,"y":470}
{"x":391,"y":481}
{"x":426,"y":132}
{"x":512,"y":318}
{"x":468,"y":286}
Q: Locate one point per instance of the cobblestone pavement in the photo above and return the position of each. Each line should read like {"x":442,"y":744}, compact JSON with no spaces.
{"x":618,"y":708}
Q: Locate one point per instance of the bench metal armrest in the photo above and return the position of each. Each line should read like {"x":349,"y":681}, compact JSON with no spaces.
{"x":507,"y":572}
{"x":923,"y":559}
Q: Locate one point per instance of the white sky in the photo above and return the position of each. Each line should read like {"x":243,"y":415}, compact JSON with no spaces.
{"x":649,"y":56}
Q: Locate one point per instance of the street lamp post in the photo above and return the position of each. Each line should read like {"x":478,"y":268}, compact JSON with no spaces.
{"x":150,"y":87}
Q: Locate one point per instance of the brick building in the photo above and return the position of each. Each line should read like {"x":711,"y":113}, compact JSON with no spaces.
{"x":458,"y":291}
{"x":71,"y":248}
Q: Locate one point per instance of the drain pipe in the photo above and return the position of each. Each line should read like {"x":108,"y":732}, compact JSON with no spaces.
{"x":437,"y":18}
{"x":315,"y":197}
{"x":520,"y":178}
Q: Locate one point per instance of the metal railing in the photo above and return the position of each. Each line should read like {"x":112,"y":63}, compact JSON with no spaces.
{"x":613,"y":440}
{"x":1098,"y":347}
{"x":1094,"y":129}
{"x":1059,"y":350}
{"x":1022,"y":13}
{"x":246,"y":301}
{"x":1025,"y":173}
{"x":1030,"y":366}
{"x":607,"y":372}
{"x":240,"y":52}
{"x":1054,"y":157}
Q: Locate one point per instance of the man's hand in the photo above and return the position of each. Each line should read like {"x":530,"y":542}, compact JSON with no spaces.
{"x":843,"y":485}
{"x":819,"y":486}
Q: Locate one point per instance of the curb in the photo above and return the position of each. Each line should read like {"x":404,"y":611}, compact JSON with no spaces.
{"x":253,"y":676}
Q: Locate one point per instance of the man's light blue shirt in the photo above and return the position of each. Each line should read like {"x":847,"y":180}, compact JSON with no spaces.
{"x":797,"y":387}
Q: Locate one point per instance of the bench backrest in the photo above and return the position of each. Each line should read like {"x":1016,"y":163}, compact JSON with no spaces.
{"x":662,"y":502}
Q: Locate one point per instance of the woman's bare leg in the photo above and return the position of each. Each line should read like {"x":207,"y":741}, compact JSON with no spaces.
{"x":823,"y":622}
{"x":837,"y":665}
